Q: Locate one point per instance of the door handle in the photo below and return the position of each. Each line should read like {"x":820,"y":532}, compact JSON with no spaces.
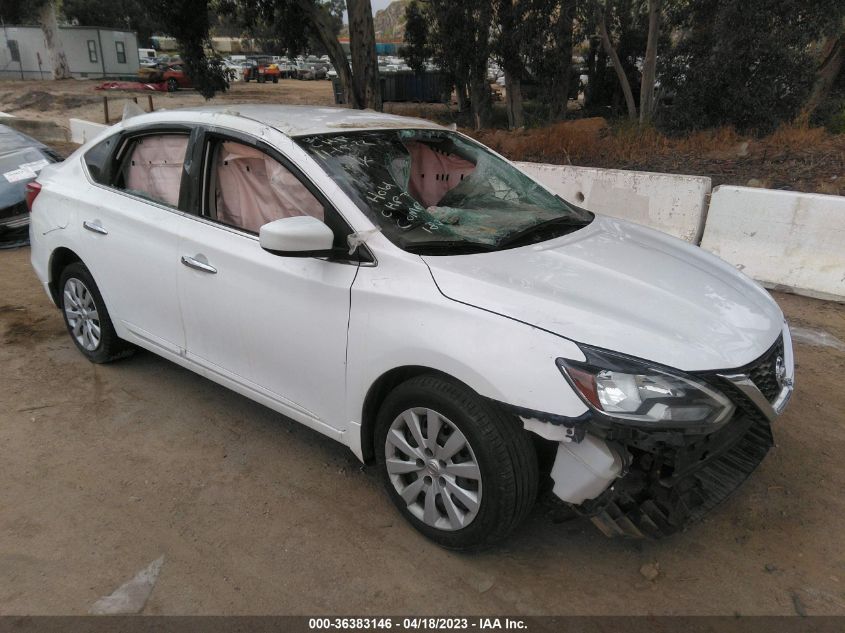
{"x":195,"y":263}
{"x":95,"y":227}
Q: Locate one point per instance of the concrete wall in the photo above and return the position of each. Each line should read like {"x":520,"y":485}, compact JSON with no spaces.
{"x":75,"y":40}
{"x":674,"y":204}
{"x":82,"y":131}
{"x":783,"y":239}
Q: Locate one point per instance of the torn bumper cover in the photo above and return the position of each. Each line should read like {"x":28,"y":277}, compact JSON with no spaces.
{"x":647,"y":482}
{"x":673,"y":482}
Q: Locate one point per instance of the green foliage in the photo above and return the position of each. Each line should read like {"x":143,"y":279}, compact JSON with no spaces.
{"x":417,"y":48}
{"x":280,"y":26}
{"x":19,"y":11}
{"x":746,"y":64}
{"x":132,"y":15}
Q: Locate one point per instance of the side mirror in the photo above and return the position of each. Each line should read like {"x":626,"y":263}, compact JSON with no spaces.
{"x":299,"y":236}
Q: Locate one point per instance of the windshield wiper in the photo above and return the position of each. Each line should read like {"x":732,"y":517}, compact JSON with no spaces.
{"x":447,"y":247}
{"x":541,"y":231}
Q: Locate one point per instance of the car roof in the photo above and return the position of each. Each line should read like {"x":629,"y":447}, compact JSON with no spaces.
{"x":301,"y":120}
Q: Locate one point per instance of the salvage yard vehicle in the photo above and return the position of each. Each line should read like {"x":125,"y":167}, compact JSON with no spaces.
{"x":21,"y":158}
{"x":408,"y":292}
{"x":175,"y":77}
{"x":261,"y":69}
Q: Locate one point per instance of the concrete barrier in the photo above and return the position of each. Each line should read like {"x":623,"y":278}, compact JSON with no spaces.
{"x":785,"y":240}
{"x":674,"y":204}
{"x":82,"y":131}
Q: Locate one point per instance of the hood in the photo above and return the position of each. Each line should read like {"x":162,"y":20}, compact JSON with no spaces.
{"x":625,"y":288}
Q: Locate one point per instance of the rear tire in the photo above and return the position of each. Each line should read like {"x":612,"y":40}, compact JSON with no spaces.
{"x":275,"y":80}
{"x":467,"y":500}
{"x":172,"y":85}
{"x":87,"y":318}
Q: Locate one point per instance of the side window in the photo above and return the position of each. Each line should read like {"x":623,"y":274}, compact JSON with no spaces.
{"x":248,"y":188}
{"x":121,"y":52}
{"x":97,"y":159}
{"x":151,"y":167}
{"x":92,"y":51}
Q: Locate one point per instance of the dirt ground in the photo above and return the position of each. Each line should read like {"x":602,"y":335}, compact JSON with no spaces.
{"x":77,"y":99}
{"x":107,"y":468}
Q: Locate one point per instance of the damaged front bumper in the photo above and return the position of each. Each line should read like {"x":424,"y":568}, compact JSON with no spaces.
{"x":638,"y":483}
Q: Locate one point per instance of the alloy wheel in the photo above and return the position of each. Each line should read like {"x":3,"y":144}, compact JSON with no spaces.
{"x":81,"y":314}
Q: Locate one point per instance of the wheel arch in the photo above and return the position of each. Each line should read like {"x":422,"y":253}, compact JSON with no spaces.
{"x":377,"y":393}
{"x":60,"y":259}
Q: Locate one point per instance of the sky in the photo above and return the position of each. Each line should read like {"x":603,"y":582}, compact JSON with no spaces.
{"x":377,"y":5}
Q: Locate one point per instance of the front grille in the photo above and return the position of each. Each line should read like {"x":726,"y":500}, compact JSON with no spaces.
{"x":763,"y":371}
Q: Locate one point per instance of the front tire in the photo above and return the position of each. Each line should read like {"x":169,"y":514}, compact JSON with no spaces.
{"x":86,"y":317}
{"x":172,"y":85}
{"x":461,"y":470}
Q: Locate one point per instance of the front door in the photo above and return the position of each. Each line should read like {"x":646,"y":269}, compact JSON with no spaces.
{"x":274,"y":325}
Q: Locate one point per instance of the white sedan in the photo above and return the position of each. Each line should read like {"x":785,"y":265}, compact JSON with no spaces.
{"x":406,"y":291}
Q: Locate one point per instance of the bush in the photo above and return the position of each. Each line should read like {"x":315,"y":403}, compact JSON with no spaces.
{"x":745,"y":64}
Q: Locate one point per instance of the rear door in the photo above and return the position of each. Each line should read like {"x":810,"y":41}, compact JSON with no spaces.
{"x":274,"y":325}
{"x":129,"y":235}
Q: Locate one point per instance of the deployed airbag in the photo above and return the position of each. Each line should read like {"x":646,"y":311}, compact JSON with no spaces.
{"x":155,"y":167}
{"x":254,"y":189}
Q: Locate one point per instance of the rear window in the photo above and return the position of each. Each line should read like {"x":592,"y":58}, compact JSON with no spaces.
{"x":151,"y":167}
{"x":97,"y":159}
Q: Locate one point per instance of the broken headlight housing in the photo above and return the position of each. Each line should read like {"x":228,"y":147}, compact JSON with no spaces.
{"x":639,"y":393}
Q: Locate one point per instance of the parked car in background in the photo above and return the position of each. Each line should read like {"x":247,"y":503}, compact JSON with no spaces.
{"x":287,"y":68}
{"x":175,"y":77}
{"x":147,"y":57}
{"x":310,"y":70}
{"x":406,"y":291}
{"x":21,"y":159}
{"x":261,"y":69}
{"x":155,"y":73}
{"x":234,"y":70}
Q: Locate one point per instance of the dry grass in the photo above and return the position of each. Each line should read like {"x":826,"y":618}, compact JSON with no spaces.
{"x":793,"y":157}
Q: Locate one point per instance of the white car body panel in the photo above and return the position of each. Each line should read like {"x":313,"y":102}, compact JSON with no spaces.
{"x":585,"y":284}
{"x":275,"y":323}
{"x":398,"y":318}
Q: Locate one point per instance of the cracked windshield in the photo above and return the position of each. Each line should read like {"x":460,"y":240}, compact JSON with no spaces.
{"x":435,"y":192}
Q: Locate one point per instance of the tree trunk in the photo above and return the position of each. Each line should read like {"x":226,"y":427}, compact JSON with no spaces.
{"x":559,"y":97}
{"x":326,"y":35}
{"x":617,"y":66}
{"x":589,"y":90}
{"x":481,"y":19}
{"x":833,"y":55}
{"x":513,"y":97}
{"x":461,"y":95}
{"x":480,"y":100}
{"x":650,"y":63}
{"x":362,"y":43}
{"x":53,"y":39}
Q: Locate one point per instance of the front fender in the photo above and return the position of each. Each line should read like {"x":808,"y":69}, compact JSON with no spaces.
{"x":399,"y":318}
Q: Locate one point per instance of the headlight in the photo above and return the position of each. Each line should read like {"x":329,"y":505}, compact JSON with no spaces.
{"x":635,"y":391}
